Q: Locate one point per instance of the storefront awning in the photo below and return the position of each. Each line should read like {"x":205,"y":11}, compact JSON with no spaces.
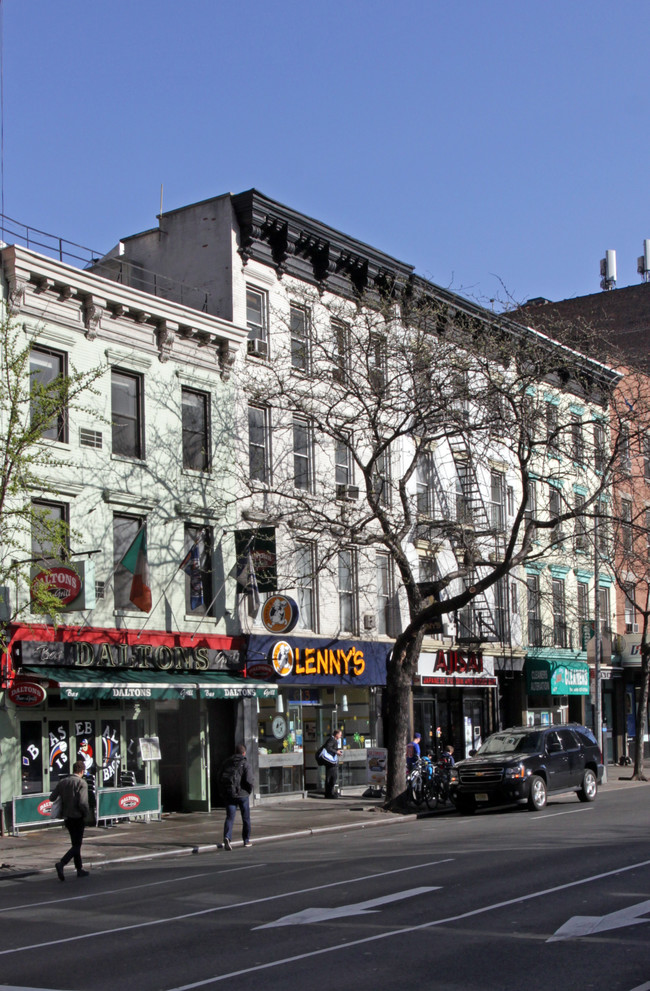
{"x":546,"y":677}
{"x":92,"y":683}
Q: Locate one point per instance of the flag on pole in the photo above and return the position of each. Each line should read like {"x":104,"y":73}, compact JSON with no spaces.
{"x":135,"y":561}
{"x":191,"y":565}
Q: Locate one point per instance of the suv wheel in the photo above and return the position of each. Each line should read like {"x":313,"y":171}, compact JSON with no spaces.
{"x":589,"y":788}
{"x":537,"y":795}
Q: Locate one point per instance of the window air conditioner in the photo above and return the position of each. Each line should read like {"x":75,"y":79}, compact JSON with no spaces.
{"x":258,"y":347}
{"x":369,"y":621}
{"x":348,"y":492}
{"x":635,"y":627}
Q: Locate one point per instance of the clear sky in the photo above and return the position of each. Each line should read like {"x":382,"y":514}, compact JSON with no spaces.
{"x":499,"y":146}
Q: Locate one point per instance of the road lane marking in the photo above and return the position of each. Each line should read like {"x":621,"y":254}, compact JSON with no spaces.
{"x":585,"y":925}
{"x":403,"y":932}
{"x":224,"y":908}
{"x":309,"y":915}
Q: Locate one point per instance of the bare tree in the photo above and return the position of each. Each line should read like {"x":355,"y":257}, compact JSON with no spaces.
{"x":34,"y":410}
{"x":428,"y":408}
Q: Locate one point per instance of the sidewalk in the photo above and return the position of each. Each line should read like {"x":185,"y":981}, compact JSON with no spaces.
{"x":36,"y":850}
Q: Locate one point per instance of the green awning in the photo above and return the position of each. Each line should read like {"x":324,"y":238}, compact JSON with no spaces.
{"x":130,"y":683}
{"x":546,"y":677}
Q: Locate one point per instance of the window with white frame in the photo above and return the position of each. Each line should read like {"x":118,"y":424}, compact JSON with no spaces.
{"x":299,"y":326}
{"x":347,"y":591}
{"x":197,"y":565}
{"x":626,"y":525}
{"x":530,"y":513}
{"x":50,"y":532}
{"x":306,"y":590}
{"x":302,"y":454}
{"x":425,"y":493}
{"x":341,"y":355}
{"x":600,"y":454}
{"x":630,"y":606}
{"x":603,"y":600}
{"x":514,"y":598}
{"x":377,"y":361}
{"x":583,"y":612}
{"x":552,"y":426}
{"x":125,"y":530}
{"x":258,"y":444}
{"x":45,"y":368}
{"x":534,"y":611}
{"x":195,"y":429}
{"x":647,"y":530}
{"x":580,"y":531}
{"x":645,"y":447}
{"x":381,"y":478}
{"x":625,"y":459}
{"x":511,"y":500}
{"x":126,"y":413}
{"x":342,"y":462}
{"x":256,"y":314}
{"x":498,"y":499}
{"x":559,"y":613}
{"x":577,"y":439}
{"x":384,"y":585}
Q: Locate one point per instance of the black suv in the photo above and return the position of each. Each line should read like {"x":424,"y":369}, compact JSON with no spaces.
{"x":526,"y":763}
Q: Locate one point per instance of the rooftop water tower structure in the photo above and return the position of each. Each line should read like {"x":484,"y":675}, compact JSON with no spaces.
{"x":608,"y":270}
{"x":643,"y":264}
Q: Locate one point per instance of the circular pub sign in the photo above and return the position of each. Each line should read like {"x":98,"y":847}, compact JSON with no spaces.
{"x":63,"y":582}
{"x":129,"y":802}
{"x":280,"y":614}
{"x":26,"y":693}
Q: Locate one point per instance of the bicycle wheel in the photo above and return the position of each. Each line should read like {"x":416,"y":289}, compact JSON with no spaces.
{"x":415,"y":788}
{"x":431,"y":792}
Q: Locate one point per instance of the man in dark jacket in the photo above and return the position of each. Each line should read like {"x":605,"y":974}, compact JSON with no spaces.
{"x":333,"y":750}
{"x":237,"y":784}
{"x":73,"y":791}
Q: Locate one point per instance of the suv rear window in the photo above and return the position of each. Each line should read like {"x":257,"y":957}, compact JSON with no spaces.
{"x":511,"y":743}
{"x":585,"y":736}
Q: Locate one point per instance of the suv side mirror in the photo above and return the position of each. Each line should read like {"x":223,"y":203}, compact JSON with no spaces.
{"x":553,"y":747}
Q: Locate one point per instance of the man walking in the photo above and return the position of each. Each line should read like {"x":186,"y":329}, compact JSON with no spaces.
{"x":331,"y":753}
{"x":73,"y":792}
{"x":236,"y":782}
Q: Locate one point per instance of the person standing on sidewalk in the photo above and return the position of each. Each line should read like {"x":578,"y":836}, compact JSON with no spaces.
{"x":236,"y":782}
{"x":73,"y":792}
{"x":331,"y":752}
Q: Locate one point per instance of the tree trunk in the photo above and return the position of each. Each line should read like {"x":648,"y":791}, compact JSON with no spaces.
{"x":399,"y":679}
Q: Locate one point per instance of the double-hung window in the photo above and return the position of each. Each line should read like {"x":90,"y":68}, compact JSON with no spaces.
{"x":347,"y":591}
{"x":577,"y":439}
{"x":626,"y":525}
{"x":306,"y":584}
{"x":258,"y":444}
{"x":342,"y":463}
{"x":196,"y":429}
{"x":197,"y":565}
{"x":125,"y":530}
{"x":552,"y":426}
{"x":341,"y":355}
{"x":257,"y":322}
{"x":584,"y":627}
{"x":45,"y":368}
{"x":625,"y":458}
{"x":559,"y":613}
{"x":534,"y":614}
{"x":600,"y":454}
{"x":299,"y":325}
{"x":126,"y":413}
{"x":381,"y":478}
{"x":630,"y":606}
{"x":302,"y":454}
{"x":580,"y":523}
{"x":645,"y":447}
{"x":498,"y":498}
{"x":50,"y":532}
{"x":384,"y":595}
{"x":424,"y":485}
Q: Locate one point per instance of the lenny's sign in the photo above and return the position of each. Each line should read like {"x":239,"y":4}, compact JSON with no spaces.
{"x":317,"y":660}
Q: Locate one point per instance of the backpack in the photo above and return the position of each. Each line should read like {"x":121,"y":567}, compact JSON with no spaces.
{"x":324,"y":758}
{"x":230,"y":778}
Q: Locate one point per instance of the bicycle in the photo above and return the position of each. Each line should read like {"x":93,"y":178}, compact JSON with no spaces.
{"x":420,"y":783}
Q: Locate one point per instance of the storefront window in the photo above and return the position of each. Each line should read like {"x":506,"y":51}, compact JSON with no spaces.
{"x":134,"y":765}
{"x":31,"y":756}
{"x":59,"y":741}
{"x":110,"y":752}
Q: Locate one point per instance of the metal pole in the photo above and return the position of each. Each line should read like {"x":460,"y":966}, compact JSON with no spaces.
{"x":598,"y":713}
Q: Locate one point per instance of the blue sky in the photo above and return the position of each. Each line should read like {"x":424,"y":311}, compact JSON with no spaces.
{"x":500,"y":147}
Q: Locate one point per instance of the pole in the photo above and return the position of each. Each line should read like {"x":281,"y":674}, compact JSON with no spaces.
{"x":598,"y":712}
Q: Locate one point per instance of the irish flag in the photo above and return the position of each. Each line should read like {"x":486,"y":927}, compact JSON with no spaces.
{"x":135,"y":561}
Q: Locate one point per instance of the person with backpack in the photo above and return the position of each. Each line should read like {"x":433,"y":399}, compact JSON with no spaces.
{"x":328,"y":757}
{"x":73,"y":792}
{"x":236,"y":782}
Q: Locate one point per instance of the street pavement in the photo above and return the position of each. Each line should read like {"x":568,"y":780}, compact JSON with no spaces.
{"x":35,"y":850}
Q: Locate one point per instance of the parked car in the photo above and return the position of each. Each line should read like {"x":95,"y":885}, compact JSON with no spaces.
{"x":525,"y":764}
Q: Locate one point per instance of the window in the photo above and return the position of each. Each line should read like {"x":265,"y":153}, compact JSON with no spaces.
{"x":511,"y":501}
{"x":258,"y":444}
{"x":125,"y":530}
{"x":377,"y":362}
{"x":501,"y":616}
{"x":343,"y":465}
{"x":341,"y":335}
{"x":302,"y":454}
{"x":347,"y":584}
{"x":49,"y":532}
{"x":381,"y":479}
{"x":299,"y":324}
{"x":197,"y":565}
{"x":551,"y":426}
{"x":559,"y":614}
{"x":602,"y":528}
{"x":464,"y":485}
{"x":256,"y":315}
{"x":577,"y":439}
{"x":45,"y":367}
{"x":384,"y":595}
{"x":584,"y":625}
{"x":196,"y":429}
{"x":600,"y":456}
{"x":624,"y":448}
{"x":534,"y":617}
{"x":646,"y":456}
{"x":306,"y":585}
{"x":424,"y":486}
{"x":580,"y":523}
{"x":126,"y":413}
{"x":530,"y":513}
{"x":514,"y":598}
{"x":630,"y":606}
{"x":554,"y":502}
{"x":626,"y":524}
{"x":647,"y":530}
{"x":498,"y":495}
{"x":603,"y":601}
